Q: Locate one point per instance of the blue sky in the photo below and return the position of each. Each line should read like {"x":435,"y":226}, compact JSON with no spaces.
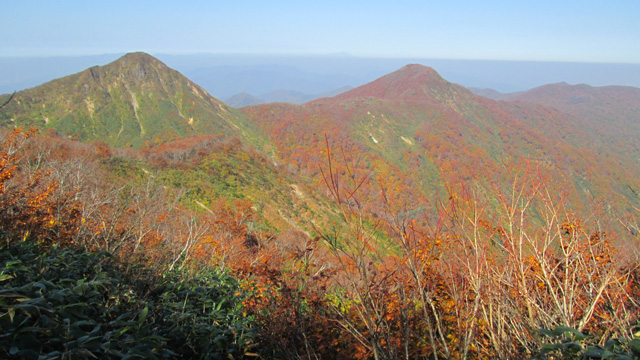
{"x":560,"y":30}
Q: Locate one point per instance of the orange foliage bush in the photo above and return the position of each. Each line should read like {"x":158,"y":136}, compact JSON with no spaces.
{"x":24,"y":190}
{"x":473,"y":277}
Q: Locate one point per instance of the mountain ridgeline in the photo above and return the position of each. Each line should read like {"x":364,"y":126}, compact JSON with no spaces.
{"x":411,"y":131}
{"x":610,"y":112}
{"x":417,"y":132}
{"x":133,"y":100}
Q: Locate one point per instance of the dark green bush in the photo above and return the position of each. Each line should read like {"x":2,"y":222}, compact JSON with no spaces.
{"x":66,"y":303}
{"x":567,"y":343}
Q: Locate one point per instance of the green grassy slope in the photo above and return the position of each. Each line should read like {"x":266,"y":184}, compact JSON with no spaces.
{"x":133,"y":101}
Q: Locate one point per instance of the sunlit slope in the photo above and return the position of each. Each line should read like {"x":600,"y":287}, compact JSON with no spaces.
{"x":133,"y":100}
{"x":415,"y":132}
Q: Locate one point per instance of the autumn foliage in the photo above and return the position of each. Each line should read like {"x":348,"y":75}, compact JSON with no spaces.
{"x":24,"y":192}
{"x":474,"y":276}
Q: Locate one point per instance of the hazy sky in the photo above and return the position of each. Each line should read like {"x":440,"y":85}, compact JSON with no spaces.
{"x":558,"y":30}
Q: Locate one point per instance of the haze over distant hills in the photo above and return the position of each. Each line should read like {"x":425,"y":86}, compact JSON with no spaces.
{"x":224,"y":76}
{"x":291,"y":96}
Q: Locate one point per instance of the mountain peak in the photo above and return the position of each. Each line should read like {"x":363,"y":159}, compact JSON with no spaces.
{"x":411,"y":70}
{"x":128,"y":102}
{"x":138,"y":55}
{"x":138,"y":58}
{"x":412,"y":82}
{"x":137,"y":65}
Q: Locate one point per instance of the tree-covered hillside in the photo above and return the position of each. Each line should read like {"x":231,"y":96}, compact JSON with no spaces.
{"x":99,"y":259}
{"x":407,"y":218}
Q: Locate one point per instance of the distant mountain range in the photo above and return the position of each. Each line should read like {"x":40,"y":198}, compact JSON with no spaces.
{"x":609,"y":112}
{"x":411,"y":130}
{"x":490,"y":93}
{"x":289,"y":96}
{"x":224,"y":75}
{"x":267,"y":80}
